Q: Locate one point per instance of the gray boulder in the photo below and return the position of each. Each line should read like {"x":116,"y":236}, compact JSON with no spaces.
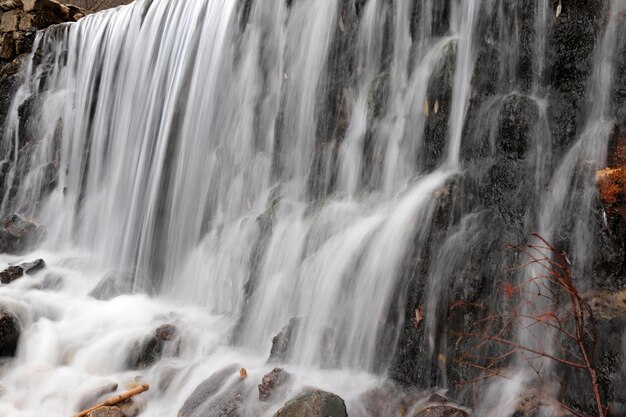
{"x":314,"y":403}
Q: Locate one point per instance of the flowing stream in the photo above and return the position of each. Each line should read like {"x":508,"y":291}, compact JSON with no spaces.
{"x":211,"y":156}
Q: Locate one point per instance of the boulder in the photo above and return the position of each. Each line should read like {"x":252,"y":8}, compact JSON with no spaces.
{"x":391,"y":400}
{"x":9,"y":333}
{"x":32,"y":267}
{"x":440,"y":411}
{"x":131,"y":408}
{"x":274,"y":384}
{"x":165,"y":332}
{"x":10,"y":21}
{"x":202,"y":395}
{"x":10,"y":4}
{"x":106,"y":412}
{"x":11,"y":274}
{"x":95,"y":396}
{"x":281,"y":343}
{"x":315,"y":403}
{"x":7,"y":46}
{"x":17,"y":271}
{"x":149,"y":351}
{"x":45,"y":5}
{"x":17,"y":234}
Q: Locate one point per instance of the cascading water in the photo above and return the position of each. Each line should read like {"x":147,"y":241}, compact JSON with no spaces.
{"x":245,"y":165}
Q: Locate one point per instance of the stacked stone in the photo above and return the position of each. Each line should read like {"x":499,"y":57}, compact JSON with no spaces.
{"x":20,"y":19}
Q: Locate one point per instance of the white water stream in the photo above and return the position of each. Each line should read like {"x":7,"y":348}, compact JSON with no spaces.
{"x":182,"y":133}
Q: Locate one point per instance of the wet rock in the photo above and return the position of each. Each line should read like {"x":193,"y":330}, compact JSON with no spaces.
{"x":145,"y":354}
{"x":11,"y":274}
{"x":165,"y":332}
{"x":32,"y":267}
{"x":148,"y":352}
{"x":281,"y":343}
{"x":17,"y":271}
{"x":391,"y":400}
{"x":202,"y":395}
{"x":570,"y":56}
{"x":17,"y":234}
{"x":314,"y":404}
{"x":131,"y":408}
{"x":609,"y":309}
{"x":113,"y":285}
{"x":92,"y":397}
{"x":440,"y":411}
{"x":9,"y":333}
{"x":106,"y":412}
{"x":274,"y":384}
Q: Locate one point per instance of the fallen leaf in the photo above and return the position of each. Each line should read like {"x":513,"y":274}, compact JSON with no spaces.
{"x":436,"y":106}
{"x":426,"y":107}
{"x":559,"y":8}
{"x":243,"y":373}
{"x":419,"y":316}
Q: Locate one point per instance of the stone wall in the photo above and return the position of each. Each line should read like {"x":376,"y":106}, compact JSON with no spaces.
{"x":20,"y":20}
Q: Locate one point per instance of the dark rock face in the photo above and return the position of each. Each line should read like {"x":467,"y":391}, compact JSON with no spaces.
{"x":19,"y":22}
{"x":610,"y":362}
{"x":314,"y":404}
{"x":570,"y":57}
{"x":273,"y":384}
{"x":9,"y":333}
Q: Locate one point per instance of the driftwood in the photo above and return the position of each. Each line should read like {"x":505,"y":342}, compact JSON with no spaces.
{"x":115,"y":400}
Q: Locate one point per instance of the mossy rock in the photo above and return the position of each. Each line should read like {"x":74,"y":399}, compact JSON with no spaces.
{"x":314,"y":404}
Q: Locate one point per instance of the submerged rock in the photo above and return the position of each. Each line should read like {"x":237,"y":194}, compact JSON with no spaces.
{"x":314,"y":404}
{"x":9,"y":333}
{"x":205,"y":391}
{"x":112,"y":285}
{"x":52,"y":282}
{"x":274,"y":384}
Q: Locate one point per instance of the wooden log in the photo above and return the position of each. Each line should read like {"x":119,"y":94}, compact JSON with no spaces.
{"x":115,"y":400}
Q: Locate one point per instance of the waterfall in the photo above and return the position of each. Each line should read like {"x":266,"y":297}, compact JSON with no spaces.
{"x":318,"y":167}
